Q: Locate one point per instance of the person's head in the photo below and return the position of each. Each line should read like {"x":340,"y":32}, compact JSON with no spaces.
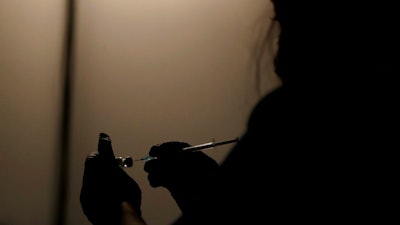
{"x":325,"y":42}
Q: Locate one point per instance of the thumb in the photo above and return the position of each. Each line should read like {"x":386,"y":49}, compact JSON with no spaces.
{"x":104,"y":147}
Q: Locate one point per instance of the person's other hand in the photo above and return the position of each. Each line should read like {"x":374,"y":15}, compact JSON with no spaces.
{"x":189,"y":176}
{"x":106,"y":185}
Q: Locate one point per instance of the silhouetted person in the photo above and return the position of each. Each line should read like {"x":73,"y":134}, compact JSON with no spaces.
{"x":316,"y":149}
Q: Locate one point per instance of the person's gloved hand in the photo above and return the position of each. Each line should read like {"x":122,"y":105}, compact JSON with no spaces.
{"x":189,"y":176}
{"x":106,"y":185}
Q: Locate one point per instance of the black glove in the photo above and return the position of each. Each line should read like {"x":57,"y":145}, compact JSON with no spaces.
{"x":189,"y":176}
{"x":106,"y":185}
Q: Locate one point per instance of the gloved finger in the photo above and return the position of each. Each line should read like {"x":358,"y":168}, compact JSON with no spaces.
{"x":167,"y":149}
{"x":170,"y":161}
{"x":158,"y":172}
{"x":184,"y":167}
{"x":104,"y":147}
{"x":166,"y":154}
{"x":91,"y":162}
{"x":92,"y":170}
{"x":97,"y":171}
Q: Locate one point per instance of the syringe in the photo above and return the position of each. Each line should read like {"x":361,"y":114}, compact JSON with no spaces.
{"x":128,"y":161}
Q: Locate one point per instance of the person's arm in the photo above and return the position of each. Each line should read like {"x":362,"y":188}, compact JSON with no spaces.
{"x":130,"y":216}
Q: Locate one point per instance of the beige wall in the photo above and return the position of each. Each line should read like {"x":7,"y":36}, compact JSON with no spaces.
{"x":30,"y":84}
{"x":146,"y":72}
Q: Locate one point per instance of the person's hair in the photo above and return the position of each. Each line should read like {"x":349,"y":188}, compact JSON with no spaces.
{"x":265,"y":50}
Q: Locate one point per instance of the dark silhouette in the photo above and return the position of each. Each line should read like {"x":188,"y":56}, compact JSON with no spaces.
{"x":316,"y":149}
{"x":105,"y":186}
